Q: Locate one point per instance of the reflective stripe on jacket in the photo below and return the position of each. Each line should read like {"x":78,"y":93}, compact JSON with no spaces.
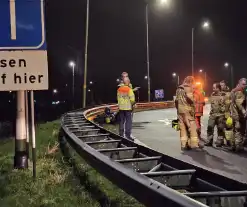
{"x":238,"y":104}
{"x":217,"y":104}
{"x":199,"y":102}
{"x":125,"y":97}
{"x":184,"y":99}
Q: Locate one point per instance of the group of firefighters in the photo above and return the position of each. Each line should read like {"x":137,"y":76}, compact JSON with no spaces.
{"x":228,"y":114}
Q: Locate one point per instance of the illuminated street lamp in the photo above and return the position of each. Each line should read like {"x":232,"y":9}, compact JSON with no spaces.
{"x":72,"y":64}
{"x":164,"y":2}
{"x":205,"y":25}
{"x":176,"y":75}
{"x":55,"y":91}
{"x":205,"y":76}
{"x":228,"y":65}
{"x":91,"y":82}
{"x":146,"y":77}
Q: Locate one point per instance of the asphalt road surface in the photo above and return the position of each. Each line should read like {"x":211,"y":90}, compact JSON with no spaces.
{"x":153,"y":128}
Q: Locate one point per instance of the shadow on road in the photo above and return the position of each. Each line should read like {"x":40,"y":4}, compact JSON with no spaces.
{"x":139,"y":125}
{"x":212,"y":161}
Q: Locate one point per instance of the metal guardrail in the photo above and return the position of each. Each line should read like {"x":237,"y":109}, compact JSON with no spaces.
{"x":152,"y":178}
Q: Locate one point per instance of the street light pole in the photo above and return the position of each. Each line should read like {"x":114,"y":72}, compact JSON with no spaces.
{"x":148,"y":64}
{"x":232,"y":77}
{"x":85,"y":58}
{"x":231,"y":73}
{"x":73,"y":86}
{"x":176,"y":75}
{"x":192,"y":50}
{"x":205,"y":25}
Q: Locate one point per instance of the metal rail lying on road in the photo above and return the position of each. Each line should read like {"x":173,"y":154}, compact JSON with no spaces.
{"x":152,"y":178}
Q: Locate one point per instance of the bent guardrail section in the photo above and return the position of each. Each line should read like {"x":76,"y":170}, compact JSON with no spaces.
{"x":152,"y":178}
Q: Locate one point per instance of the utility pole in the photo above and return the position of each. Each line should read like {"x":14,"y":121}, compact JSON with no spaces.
{"x":85,"y":58}
{"x":20,"y":158}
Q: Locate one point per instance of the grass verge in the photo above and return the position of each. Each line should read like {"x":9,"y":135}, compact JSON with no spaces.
{"x":63,"y":178}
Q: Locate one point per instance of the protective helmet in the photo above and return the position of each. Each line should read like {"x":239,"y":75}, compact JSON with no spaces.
{"x":229,"y":122}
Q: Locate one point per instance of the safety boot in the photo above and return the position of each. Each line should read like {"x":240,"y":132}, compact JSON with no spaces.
{"x":208,"y":143}
{"x":201,"y":145}
{"x":239,"y":149}
{"x":219,"y":142}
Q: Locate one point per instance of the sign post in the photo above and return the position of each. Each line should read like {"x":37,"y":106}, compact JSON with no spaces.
{"x":33,"y":136}
{"x":27,"y":123}
{"x":23,"y":64}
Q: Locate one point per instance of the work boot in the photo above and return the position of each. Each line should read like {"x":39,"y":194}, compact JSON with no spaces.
{"x":201,"y":145}
{"x":219,"y":143}
{"x":132,"y":137}
{"x":208,"y":143}
{"x":239,"y":149}
{"x":185,"y":146}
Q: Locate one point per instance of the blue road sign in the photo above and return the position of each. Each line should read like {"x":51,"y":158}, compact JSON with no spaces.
{"x":22,"y":25}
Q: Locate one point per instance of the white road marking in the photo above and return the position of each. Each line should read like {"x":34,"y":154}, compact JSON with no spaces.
{"x":165,"y":121}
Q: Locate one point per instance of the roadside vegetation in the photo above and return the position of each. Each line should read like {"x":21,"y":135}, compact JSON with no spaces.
{"x":63,"y":178}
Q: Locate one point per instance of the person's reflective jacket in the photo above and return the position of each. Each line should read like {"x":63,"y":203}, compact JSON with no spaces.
{"x":125,"y":97}
{"x":238,"y":104}
{"x":184,"y":99}
{"x":228,"y":100}
{"x":217,"y":104}
{"x":199,"y":101}
{"x":122,"y":84}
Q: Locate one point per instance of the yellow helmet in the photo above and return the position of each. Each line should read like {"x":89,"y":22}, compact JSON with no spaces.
{"x":229,"y":122}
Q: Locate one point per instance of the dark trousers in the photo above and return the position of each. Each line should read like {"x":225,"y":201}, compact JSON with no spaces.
{"x":125,"y":124}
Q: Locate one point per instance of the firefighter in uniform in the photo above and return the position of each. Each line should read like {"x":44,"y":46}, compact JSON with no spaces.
{"x":216,"y":116}
{"x":228,"y":120}
{"x":238,"y":113}
{"x":199,"y":100}
{"x":227,"y":93}
{"x":186,"y":114}
{"x":126,"y":101}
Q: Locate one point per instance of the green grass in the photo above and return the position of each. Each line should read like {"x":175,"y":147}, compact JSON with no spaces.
{"x":63,"y":178}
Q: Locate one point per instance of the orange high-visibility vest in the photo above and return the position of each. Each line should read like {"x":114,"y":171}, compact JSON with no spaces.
{"x":199,"y":101}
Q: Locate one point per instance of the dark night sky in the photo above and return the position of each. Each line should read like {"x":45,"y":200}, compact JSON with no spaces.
{"x":117,"y":42}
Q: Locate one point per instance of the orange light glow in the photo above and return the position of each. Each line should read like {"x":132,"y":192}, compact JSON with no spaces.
{"x":198,"y":83}
{"x":205,"y":99}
